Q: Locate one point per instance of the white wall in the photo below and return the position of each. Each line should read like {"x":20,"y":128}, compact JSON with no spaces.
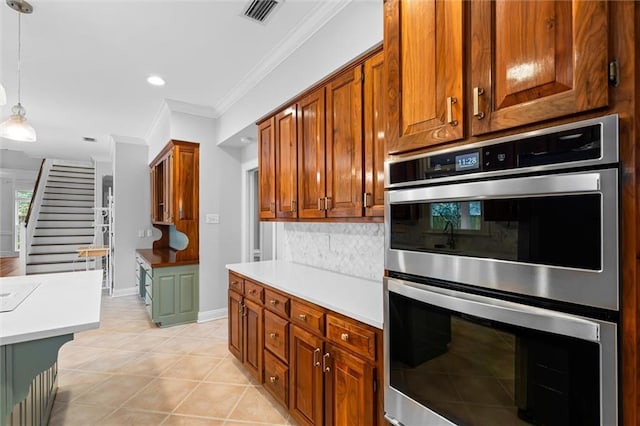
{"x":357,"y":28}
{"x":131,"y":212}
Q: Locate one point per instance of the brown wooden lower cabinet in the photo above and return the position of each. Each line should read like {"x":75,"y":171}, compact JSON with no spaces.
{"x":324,"y":375}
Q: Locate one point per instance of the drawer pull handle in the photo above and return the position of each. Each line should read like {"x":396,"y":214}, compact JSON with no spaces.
{"x":345,"y":337}
{"x":273,"y":379}
{"x":303,"y":317}
{"x":273,"y":335}
{"x":477,"y":92}
{"x":450,"y":101}
{"x":273,"y":302}
{"x":325,"y":367}
{"x":234,"y":283}
{"x":252,"y":291}
{"x":316,"y":362}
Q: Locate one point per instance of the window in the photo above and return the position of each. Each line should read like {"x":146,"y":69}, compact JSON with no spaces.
{"x":23,"y":200}
{"x":464,"y":216}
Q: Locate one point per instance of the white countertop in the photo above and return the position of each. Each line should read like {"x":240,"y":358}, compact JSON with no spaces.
{"x":63,"y":303}
{"x":358,"y":298}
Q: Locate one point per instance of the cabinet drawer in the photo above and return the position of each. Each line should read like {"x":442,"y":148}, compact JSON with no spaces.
{"x":350,"y":335}
{"x":276,"y":335}
{"x":236,"y":283}
{"x":276,"y":378}
{"x":276,"y":302}
{"x":254,"y":291}
{"x":307,"y":316}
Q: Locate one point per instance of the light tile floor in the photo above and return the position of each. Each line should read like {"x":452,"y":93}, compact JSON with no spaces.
{"x":130,"y":372}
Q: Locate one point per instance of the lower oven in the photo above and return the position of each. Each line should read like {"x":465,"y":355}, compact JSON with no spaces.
{"x":455,"y":358}
{"x":502,"y":289}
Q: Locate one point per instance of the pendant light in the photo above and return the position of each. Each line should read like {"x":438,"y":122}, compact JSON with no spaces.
{"x":16,"y":127}
{"x":3,"y":95}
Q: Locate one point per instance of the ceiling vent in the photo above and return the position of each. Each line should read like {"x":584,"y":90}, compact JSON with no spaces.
{"x":259,"y":10}
{"x":88,"y":139}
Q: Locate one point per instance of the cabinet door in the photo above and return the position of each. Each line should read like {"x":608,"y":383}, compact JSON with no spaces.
{"x":167,"y":188}
{"x":184,"y":192}
{"x":267,"y":169}
{"x":286,"y":164}
{"x":423,"y":50}
{"x":344,"y":145}
{"x":311,"y":158}
{"x":164,"y":290}
{"x":235,"y":324}
{"x":349,"y":389}
{"x":253,"y":339}
{"x":186,"y":296}
{"x":374,"y":128}
{"x":305,"y":378}
{"x":536,"y":60}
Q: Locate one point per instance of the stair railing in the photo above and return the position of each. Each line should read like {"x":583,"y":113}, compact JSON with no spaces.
{"x":33,"y":212}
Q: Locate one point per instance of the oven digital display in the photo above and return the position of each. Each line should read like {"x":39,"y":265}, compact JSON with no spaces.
{"x":469,"y":161}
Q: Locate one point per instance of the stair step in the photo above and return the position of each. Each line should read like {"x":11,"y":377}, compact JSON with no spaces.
{"x":44,"y":268}
{"x":54,"y":247}
{"x":67,"y":196}
{"x":42,"y":258}
{"x":88,"y":185}
{"x":66,"y":209}
{"x":64,"y":223}
{"x":70,"y":232}
{"x":66,"y":216}
{"x":86,"y":180}
{"x":67,"y":203}
{"x":63,"y":239}
{"x":55,"y":192}
{"x":78,"y":167}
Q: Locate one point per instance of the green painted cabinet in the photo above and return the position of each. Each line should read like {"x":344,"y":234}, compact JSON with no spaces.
{"x":172,"y":295}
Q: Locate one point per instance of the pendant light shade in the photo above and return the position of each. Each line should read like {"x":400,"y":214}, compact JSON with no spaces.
{"x":16,"y":126}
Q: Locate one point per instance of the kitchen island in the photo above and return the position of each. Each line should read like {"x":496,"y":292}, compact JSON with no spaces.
{"x":34,"y":324}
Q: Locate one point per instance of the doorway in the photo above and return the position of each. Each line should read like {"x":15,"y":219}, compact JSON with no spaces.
{"x":258,"y":237}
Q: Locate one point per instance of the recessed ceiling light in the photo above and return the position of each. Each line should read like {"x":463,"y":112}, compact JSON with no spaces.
{"x":155,"y":80}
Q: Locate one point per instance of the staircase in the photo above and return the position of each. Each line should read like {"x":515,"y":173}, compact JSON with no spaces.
{"x":65,"y":220}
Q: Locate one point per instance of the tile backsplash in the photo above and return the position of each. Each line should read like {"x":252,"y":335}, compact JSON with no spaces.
{"x":350,"y":248}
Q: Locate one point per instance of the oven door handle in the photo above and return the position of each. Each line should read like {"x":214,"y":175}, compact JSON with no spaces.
{"x":521,"y":187}
{"x":499,"y":310}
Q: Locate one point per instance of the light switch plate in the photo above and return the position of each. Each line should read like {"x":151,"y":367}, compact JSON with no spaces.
{"x":212,"y":218}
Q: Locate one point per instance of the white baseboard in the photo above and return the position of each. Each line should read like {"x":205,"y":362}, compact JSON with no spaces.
{"x":212,"y":315}
{"x":119,"y":292}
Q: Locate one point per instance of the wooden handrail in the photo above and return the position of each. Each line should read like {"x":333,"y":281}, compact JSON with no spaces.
{"x":35,"y":191}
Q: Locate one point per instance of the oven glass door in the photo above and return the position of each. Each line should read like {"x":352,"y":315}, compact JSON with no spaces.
{"x":552,"y":230}
{"x":549,"y":236}
{"x":473,"y":370}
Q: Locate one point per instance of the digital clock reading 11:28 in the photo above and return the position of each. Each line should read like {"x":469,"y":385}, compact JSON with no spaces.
{"x":469,"y":161}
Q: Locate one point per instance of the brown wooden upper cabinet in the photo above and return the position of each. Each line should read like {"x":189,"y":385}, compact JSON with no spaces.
{"x":529,"y":61}
{"x":339,"y":131}
{"x":174,"y":183}
{"x":423,"y":45}
{"x":175,"y":193}
{"x":286,"y":164}
{"x":536,"y":60}
{"x":267,"y":169}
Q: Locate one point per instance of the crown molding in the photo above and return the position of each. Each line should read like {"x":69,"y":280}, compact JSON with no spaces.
{"x":128,"y":139}
{"x":193,"y":109}
{"x":295,"y":38}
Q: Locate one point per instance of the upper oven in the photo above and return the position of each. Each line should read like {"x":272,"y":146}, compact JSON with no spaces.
{"x":534,"y":214}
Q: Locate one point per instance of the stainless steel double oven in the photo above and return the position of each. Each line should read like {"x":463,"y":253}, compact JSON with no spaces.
{"x":502,"y":295}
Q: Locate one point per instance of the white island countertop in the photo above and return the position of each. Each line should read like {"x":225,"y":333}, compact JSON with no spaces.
{"x":62,"y":303}
{"x":357,"y":298}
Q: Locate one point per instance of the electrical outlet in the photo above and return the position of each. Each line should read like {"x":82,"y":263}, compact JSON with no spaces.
{"x":149,"y":233}
{"x":212,"y":218}
{"x":140,"y":233}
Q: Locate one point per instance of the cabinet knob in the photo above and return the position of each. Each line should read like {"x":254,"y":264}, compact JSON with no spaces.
{"x":345,"y":337}
{"x":273,"y":302}
{"x":273,"y":335}
{"x":303,"y":317}
{"x":252,"y":291}
{"x":273,"y":379}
